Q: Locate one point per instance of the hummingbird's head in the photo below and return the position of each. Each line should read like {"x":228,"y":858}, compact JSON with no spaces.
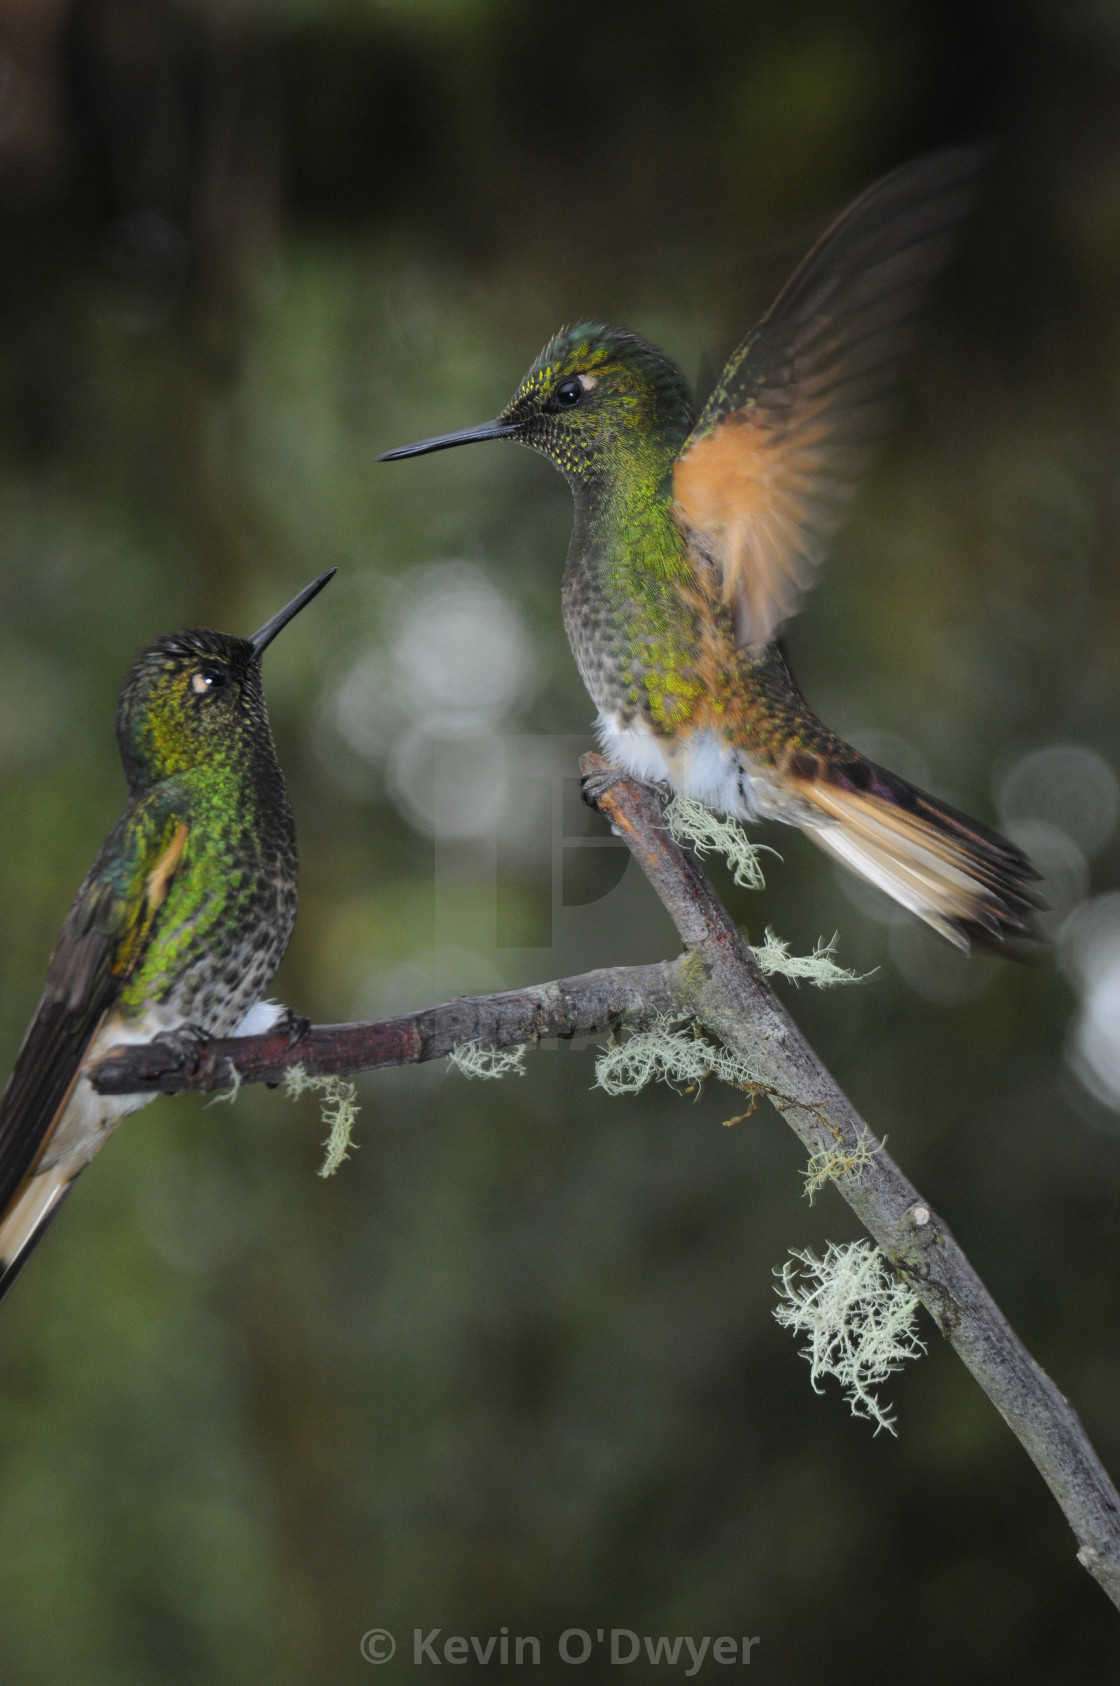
{"x":595,"y":399}
{"x":195,"y":699}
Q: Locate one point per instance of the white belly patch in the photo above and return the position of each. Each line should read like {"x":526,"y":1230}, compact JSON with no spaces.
{"x":703,"y":766}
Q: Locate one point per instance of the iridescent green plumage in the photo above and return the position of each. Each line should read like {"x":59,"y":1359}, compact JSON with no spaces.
{"x":208,"y":758}
{"x":628,"y":561}
{"x":180,"y":922}
{"x":693,"y":542}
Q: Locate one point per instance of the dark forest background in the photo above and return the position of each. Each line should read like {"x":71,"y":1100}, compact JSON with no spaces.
{"x":515,"y":1366}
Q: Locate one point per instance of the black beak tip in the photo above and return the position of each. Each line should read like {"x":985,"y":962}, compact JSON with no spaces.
{"x":262,"y":639}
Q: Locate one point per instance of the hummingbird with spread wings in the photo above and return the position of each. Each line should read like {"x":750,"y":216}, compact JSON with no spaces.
{"x":180,"y":922}
{"x":696,"y":537}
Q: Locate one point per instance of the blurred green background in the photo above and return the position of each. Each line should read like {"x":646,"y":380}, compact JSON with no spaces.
{"x":516,"y":1366}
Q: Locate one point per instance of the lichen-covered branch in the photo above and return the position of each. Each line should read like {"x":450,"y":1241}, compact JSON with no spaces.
{"x":719,"y":985}
{"x":730,"y":997}
{"x":594,"y":1004}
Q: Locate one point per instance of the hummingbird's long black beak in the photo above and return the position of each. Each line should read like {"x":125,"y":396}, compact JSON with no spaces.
{"x":442,"y":442}
{"x":262,"y":639}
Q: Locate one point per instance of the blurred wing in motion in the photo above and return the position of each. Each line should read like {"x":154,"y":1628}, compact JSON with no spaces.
{"x":764,"y":478}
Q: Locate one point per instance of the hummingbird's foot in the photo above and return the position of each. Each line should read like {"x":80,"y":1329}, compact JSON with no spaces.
{"x":598,"y":775}
{"x":294,"y":1026}
{"x":182,"y":1044}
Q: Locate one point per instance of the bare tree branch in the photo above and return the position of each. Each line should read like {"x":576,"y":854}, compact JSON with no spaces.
{"x":718,"y":983}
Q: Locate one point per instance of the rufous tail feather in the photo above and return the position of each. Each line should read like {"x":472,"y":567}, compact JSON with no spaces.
{"x":962,"y":879}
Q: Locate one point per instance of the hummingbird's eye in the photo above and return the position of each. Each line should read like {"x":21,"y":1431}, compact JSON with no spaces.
{"x":210,"y":677}
{"x":568,"y":393}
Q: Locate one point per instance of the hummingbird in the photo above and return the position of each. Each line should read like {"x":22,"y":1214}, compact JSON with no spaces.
{"x":179,"y":924}
{"x":695,"y":538}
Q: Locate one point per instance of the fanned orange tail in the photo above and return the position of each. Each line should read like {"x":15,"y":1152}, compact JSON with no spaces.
{"x":962,"y":879}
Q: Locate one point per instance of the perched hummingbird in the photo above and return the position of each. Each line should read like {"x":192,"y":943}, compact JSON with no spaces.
{"x":694,"y":540}
{"x":180,"y":922}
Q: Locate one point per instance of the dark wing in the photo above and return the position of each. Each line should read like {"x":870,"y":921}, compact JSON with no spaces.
{"x":764,"y":478}
{"x":100,"y":943}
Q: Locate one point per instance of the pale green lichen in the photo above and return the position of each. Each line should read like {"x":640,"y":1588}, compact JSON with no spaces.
{"x":473,"y":1059}
{"x":860,"y":1320}
{"x":689,"y":822}
{"x":339,"y":1108}
{"x":228,"y":1096}
{"x":831,"y":1163}
{"x":667,"y":1053}
{"x":819,"y":968}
